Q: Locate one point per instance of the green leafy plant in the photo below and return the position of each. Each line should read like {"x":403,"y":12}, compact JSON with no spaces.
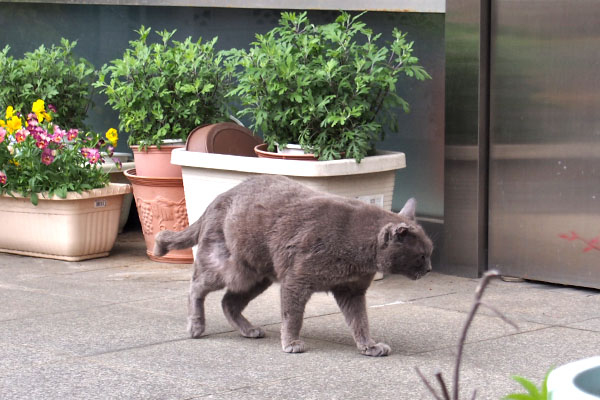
{"x":331,"y":88}
{"x":533,"y":393}
{"x":53,"y":74}
{"x":163,"y":90}
{"x":37,"y":157}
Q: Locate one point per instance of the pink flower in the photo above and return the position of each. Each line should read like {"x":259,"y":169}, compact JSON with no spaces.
{"x":21,"y":135}
{"x":51,"y":108}
{"x":42,"y":140}
{"x":48,"y":155}
{"x":72,"y":134}
{"x":3,"y":178}
{"x":58,"y":134}
{"x":2,"y":134}
{"x":118,"y":162}
{"x":32,"y":120}
{"x":93,"y":155}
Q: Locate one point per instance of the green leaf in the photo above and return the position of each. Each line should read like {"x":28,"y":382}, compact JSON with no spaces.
{"x":528,"y":385}
{"x":519,"y":396}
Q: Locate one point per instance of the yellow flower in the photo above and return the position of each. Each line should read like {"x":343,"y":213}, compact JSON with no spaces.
{"x":39,"y":109}
{"x":47,"y":116}
{"x":9,"y":112}
{"x":38,"y":106}
{"x":13,"y":124}
{"x":112,"y":136}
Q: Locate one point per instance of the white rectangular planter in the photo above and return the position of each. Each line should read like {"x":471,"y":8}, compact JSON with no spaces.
{"x":80,"y":227}
{"x":206,"y":175}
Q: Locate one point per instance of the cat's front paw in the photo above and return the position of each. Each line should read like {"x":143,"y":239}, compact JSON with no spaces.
{"x":254,"y":333}
{"x":295,"y":346}
{"x":195,"y":328}
{"x":376,"y":350}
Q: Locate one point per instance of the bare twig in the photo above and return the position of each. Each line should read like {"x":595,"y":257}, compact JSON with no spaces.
{"x":483,"y":283}
{"x":440,"y":380}
{"x":485,"y":280}
{"x":427,"y":384}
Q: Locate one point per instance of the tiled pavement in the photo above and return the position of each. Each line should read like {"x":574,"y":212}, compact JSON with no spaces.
{"x":115,"y":328}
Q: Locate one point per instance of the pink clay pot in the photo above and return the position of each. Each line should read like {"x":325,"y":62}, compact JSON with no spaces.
{"x":161,"y":205}
{"x":156,"y":162}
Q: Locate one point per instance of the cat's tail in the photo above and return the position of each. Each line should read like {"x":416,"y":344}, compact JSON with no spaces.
{"x":166,"y":241}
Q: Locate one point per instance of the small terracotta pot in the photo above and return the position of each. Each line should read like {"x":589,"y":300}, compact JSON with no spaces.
{"x":156,"y":162}
{"x":161,"y":205}
{"x":261,"y":152}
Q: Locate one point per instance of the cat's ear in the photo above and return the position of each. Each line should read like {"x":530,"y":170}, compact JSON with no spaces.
{"x":409,"y":209}
{"x":385,"y":235}
{"x":392,"y":232}
{"x":400,"y":231}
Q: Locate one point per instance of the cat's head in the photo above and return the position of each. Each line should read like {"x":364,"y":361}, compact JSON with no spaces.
{"x":404,"y":247}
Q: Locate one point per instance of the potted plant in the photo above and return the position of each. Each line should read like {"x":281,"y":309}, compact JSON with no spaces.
{"x":162,"y":91}
{"x":329,"y":88}
{"x":50,"y":73}
{"x":55,"y":200}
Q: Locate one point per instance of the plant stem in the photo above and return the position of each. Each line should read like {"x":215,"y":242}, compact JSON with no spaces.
{"x":485,"y":280}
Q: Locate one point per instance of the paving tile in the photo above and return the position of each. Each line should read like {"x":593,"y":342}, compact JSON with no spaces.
{"x":531,"y":354}
{"x":391,"y":377}
{"x":91,"y":331}
{"x":523,"y":302}
{"x":590,"y":325}
{"x":129,"y":249}
{"x":410,"y":329}
{"x":82,"y":379}
{"x":19,"y":301}
{"x":228,"y":361}
{"x":114,"y":285}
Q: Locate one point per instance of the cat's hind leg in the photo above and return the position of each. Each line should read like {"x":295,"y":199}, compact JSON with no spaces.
{"x":353,"y":304}
{"x":235,"y":302}
{"x":203,"y":282}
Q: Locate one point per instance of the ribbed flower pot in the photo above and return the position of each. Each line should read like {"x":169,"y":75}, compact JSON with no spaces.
{"x":161,"y":205}
{"x":80,"y":227}
{"x":154,"y":161}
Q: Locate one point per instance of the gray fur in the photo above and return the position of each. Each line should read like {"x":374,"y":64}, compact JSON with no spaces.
{"x":269,"y":228}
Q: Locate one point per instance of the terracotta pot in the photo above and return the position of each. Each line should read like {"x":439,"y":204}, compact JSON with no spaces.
{"x":156,"y":162}
{"x":223,"y":138}
{"x":161,"y":205}
{"x":261,"y":152}
{"x":80,"y":227}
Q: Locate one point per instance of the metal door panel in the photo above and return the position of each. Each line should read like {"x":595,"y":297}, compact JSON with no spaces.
{"x":544,"y":184}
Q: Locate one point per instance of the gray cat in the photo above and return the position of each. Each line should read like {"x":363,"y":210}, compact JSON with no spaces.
{"x":270,"y":228}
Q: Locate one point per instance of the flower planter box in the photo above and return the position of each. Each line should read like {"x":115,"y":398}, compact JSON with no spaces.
{"x":206,"y":175}
{"x":80,"y":227}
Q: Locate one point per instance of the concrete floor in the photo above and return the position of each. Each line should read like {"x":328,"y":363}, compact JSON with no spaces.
{"x":115,"y":328}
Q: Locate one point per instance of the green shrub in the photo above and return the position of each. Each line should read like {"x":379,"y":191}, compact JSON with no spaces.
{"x":330,"y":88}
{"x":163,"y":90}
{"x":53,"y":74}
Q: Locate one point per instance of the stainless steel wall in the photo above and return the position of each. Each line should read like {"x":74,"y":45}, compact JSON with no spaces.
{"x":545,"y":140}
{"x":465,"y":190}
